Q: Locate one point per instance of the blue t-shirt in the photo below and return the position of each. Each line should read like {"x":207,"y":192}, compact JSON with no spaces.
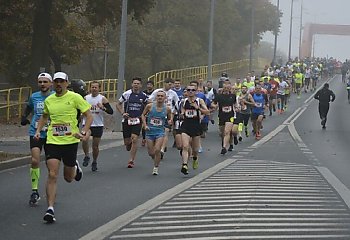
{"x":259,"y":100}
{"x":179,"y":92}
{"x":36,"y":102}
{"x":156,"y":121}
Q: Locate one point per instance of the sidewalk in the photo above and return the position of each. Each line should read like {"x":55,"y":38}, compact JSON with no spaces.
{"x":14,"y":144}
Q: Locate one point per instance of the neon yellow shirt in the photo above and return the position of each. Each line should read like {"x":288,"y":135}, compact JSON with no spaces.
{"x":249,"y":84}
{"x":299,"y":77}
{"x":63,"y":116}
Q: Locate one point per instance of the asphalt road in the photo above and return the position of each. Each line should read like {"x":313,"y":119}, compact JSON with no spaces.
{"x":109,"y":203}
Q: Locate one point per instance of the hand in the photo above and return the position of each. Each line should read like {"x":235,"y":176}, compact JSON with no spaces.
{"x":37,"y":136}
{"x":146,"y":128}
{"x":24,"y":121}
{"x":100,"y":105}
{"x":125,"y":115}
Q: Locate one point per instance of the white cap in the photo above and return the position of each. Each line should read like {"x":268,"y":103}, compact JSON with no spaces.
{"x":60,"y":75}
{"x":45,"y":75}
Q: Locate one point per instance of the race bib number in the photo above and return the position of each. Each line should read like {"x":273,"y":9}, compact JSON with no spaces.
{"x":258,"y":104}
{"x":227,"y":109}
{"x":61,"y":130}
{"x":133,"y":121}
{"x":190,"y":113}
{"x":156,"y":121}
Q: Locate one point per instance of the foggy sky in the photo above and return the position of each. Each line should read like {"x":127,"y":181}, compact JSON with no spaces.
{"x":314,"y":11}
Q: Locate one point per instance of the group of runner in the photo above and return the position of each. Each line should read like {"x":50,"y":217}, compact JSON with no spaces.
{"x":62,"y":118}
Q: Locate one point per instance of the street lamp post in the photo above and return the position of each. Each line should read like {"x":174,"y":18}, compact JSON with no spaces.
{"x":290,"y":31}
{"x":251,"y":37}
{"x":301,"y":27}
{"x":276,"y":33}
{"x":121,"y":67}
{"x":211,"y":33}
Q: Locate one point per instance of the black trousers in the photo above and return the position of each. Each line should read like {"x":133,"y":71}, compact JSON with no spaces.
{"x":323,"y":110}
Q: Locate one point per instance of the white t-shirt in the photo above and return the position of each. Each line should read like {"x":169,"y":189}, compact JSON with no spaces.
{"x":282,"y":88}
{"x":172,"y":99}
{"x":97,"y":113}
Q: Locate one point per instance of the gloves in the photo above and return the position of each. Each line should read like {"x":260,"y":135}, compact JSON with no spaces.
{"x":24,"y":121}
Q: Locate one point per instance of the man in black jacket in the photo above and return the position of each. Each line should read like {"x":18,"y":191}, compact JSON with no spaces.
{"x":324,"y":96}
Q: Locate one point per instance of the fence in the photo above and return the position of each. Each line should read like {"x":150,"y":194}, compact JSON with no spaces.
{"x":13,"y":100}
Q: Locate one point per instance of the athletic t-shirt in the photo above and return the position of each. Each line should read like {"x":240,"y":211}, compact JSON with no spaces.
{"x":97,"y":113}
{"x":36,"y":102}
{"x":63,"y":117}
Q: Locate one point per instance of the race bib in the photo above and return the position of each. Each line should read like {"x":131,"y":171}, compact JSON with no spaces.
{"x":133,"y":121}
{"x":190,"y":113}
{"x":258,"y":104}
{"x":156,"y":121}
{"x":61,"y":129}
{"x":227,"y":109}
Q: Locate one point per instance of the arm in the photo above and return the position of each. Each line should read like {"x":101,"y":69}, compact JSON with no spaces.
{"x":42,"y":121}
{"x":119,"y":106}
{"x":106,"y":106}
{"x":332,"y":96}
{"x":170,"y":116}
{"x":144,"y":114}
{"x":203,"y":107}
{"x":27,"y":111}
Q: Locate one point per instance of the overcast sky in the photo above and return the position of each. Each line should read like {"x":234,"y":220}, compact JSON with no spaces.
{"x":314,"y":11}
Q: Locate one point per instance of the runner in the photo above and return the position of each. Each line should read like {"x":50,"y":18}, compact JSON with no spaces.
{"x":63,"y":136}
{"x":148,"y":91}
{"x":157,"y":113}
{"x":246,"y":101}
{"x":281,"y":92}
{"x":273,"y":95}
{"x":171,"y":101}
{"x":35,"y":106}
{"x":299,"y":81}
{"x":99,"y":105}
{"x":228,"y":122}
{"x":131,"y":105}
{"x":261,"y":101}
{"x":191,"y":129}
{"x":324,"y":96}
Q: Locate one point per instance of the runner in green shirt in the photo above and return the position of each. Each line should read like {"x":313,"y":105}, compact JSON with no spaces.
{"x":63,"y":136}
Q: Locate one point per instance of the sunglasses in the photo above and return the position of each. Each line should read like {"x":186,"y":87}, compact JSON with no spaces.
{"x":191,"y":90}
{"x":59,"y":80}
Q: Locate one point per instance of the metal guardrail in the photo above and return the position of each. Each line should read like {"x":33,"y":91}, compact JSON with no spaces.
{"x":13,"y":100}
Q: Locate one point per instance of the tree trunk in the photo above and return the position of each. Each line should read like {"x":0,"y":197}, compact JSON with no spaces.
{"x":40,"y":40}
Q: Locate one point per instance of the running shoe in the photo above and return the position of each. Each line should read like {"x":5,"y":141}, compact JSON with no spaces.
{"x":235,"y":140}
{"x":230,"y":149}
{"x":324,"y":127}
{"x":131,"y":164}
{"x":212,"y":121}
{"x":223,"y":151}
{"x":155,"y":171}
{"x":200,"y":150}
{"x":79,"y":171}
{"x":195,"y":163}
{"x":86,"y":161}
{"x":240,"y":138}
{"x":49,"y":216}
{"x":184,"y":169}
{"x":143,"y":143}
{"x":94,"y":166}
{"x":34,"y":198}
